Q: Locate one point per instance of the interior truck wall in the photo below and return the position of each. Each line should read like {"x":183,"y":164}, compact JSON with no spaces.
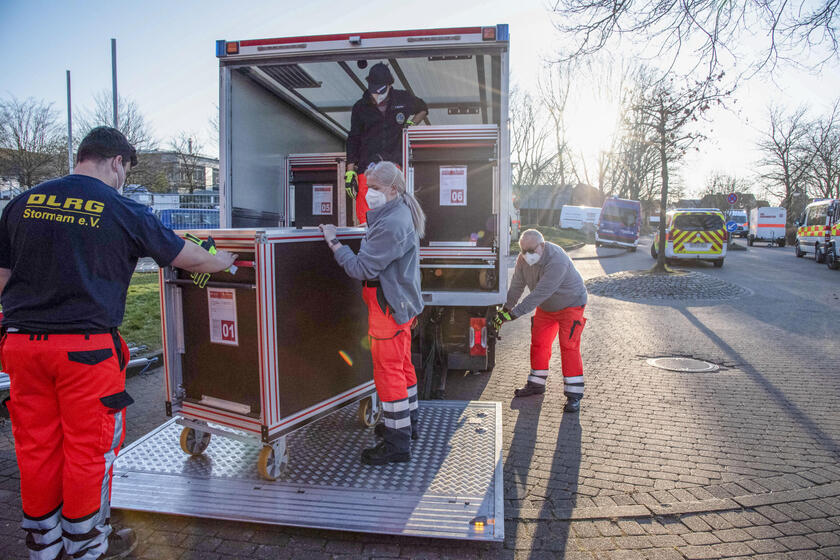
{"x":263,"y":130}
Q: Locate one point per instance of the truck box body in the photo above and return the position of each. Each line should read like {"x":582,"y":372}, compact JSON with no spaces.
{"x":767,"y":224}
{"x":284,"y":116}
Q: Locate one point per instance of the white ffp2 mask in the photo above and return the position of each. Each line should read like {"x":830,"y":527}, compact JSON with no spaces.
{"x":375,"y":199}
{"x":532,"y":258}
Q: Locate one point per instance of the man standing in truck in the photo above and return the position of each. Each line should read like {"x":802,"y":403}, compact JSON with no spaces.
{"x":376,"y":125}
{"x":559,"y":296}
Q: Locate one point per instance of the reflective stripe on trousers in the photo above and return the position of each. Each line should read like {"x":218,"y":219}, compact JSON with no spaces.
{"x":68,"y":420}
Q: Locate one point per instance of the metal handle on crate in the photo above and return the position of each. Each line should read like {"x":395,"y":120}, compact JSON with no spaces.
{"x":233,"y":285}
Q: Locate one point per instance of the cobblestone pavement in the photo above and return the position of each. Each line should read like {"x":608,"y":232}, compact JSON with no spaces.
{"x":679,"y":285}
{"x":743,"y":462}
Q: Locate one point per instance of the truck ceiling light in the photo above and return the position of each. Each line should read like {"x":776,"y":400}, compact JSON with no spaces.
{"x":232,"y":47}
{"x":355,"y":39}
{"x":488,"y":33}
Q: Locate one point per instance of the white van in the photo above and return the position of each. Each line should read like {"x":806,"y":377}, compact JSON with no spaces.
{"x":576,"y":217}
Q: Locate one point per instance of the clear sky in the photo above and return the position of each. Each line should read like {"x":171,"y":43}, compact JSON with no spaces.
{"x":167,"y":63}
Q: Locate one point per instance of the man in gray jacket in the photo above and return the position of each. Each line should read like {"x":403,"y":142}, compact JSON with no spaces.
{"x":559,"y":297}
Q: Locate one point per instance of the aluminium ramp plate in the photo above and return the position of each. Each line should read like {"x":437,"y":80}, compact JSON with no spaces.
{"x":453,"y":480}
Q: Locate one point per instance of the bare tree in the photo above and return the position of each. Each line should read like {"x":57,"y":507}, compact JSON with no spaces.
{"x":530,"y":143}
{"x":191,"y":174}
{"x":635,"y":172}
{"x":709,"y":28}
{"x":132,"y":123}
{"x":786,"y":155}
{"x":669,"y":111}
{"x":825,"y":143}
{"x":30,"y":140}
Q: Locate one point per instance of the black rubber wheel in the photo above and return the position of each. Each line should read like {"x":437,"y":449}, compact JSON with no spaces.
{"x":597,"y":244}
{"x":819,"y":256}
{"x":750,"y":240}
{"x":831,"y":260}
{"x":719,"y":263}
{"x":781,"y":242}
{"x":799,"y":252}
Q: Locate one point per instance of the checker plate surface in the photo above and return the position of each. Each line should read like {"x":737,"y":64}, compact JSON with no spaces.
{"x":453,"y":477}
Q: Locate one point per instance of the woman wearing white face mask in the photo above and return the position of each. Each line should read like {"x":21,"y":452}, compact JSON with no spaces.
{"x":388,"y":264}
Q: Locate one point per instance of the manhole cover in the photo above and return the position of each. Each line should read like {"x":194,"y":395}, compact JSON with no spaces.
{"x":687,"y":365}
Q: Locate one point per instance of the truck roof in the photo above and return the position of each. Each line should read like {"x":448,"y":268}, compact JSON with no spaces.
{"x":460,"y":73}
{"x":362,"y":41}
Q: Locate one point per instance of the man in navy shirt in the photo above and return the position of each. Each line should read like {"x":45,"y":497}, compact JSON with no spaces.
{"x":68,"y":248}
{"x":376,"y":124}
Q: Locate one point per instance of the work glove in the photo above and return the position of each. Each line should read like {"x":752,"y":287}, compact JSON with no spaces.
{"x":351,"y":184}
{"x":200,"y":278}
{"x":503,"y":315}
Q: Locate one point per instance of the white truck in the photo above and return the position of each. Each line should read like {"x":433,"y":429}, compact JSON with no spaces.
{"x":284,"y":117}
{"x":767,"y":224}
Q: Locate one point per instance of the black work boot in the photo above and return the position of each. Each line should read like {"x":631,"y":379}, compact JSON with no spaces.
{"x":529,"y":389}
{"x":383,"y":453}
{"x":120,"y":544}
{"x":379,"y":430}
{"x":572,"y":404}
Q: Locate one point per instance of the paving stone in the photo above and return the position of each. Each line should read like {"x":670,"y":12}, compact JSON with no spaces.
{"x":765,"y":546}
{"x":797,"y":543}
{"x":698,"y":552}
{"x":700,"y":538}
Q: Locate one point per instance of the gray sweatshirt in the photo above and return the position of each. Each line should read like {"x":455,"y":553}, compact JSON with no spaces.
{"x":390,"y":253}
{"x":554,"y":282}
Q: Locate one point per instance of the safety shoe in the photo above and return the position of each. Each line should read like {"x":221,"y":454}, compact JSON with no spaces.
{"x":572,"y":405}
{"x":381,"y":455}
{"x":530,"y":389}
{"x":120,"y":544}
{"x":379,"y":430}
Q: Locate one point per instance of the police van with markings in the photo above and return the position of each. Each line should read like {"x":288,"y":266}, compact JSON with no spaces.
{"x":693,"y":234}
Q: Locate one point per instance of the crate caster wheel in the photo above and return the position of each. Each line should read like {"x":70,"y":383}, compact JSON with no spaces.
{"x":370,"y":411}
{"x":194,"y":442}
{"x":271,"y":463}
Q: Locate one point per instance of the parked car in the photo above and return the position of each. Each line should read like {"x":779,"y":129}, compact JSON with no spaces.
{"x":190,"y":218}
{"x":620,"y":223}
{"x":693,"y":234}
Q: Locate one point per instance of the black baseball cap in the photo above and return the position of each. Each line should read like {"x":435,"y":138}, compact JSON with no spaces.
{"x":105,"y":142}
{"x":379,"y":77}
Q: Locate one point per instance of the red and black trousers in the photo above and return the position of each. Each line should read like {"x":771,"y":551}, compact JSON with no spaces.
{"x":67,"y":408}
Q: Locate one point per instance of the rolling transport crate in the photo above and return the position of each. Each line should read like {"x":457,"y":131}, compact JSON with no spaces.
{"x":269,"y":349}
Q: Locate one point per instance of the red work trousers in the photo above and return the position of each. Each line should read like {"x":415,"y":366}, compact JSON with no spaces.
{"x":68,"y":420}
{"x":390,"y":347}
{"x":566,"y":325}
{"x":361,"y":202}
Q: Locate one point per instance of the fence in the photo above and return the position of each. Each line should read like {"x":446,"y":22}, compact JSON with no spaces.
{"x":182,"y":211}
